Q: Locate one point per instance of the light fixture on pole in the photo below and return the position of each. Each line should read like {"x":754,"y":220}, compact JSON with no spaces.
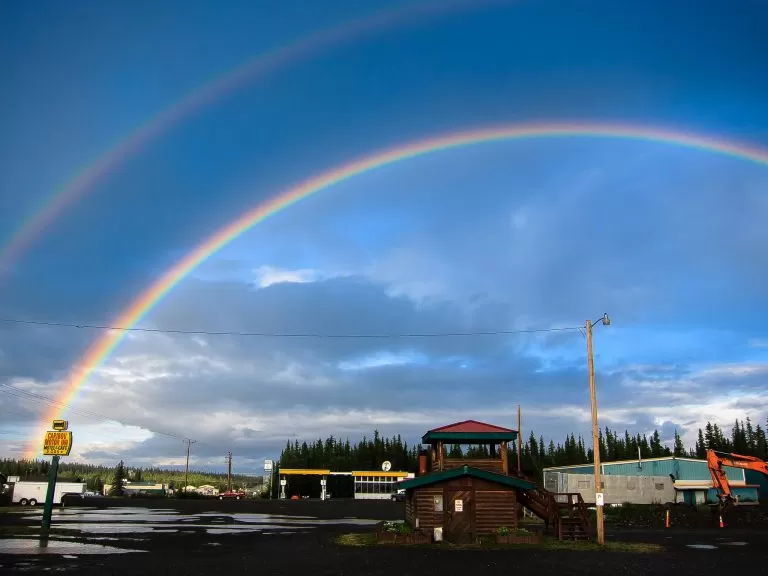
{"x":606,"y":321}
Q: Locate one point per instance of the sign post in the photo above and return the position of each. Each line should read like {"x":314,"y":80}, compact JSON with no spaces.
{"x":48,"y":508}
{"x":268,"y":475}
{"x":57,"y":443}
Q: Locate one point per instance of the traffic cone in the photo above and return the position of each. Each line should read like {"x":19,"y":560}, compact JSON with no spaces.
{"x":721,"y":521}
{"x":667,"y":521}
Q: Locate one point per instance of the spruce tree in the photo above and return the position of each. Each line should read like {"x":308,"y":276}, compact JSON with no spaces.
{"x":117,"y":488}
{"x":679,"y":448}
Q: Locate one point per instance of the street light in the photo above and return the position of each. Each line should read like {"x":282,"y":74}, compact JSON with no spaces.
{"x":606,"y":321}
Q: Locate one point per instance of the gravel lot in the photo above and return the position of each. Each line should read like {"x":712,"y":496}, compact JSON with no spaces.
{"x":296,"y":538}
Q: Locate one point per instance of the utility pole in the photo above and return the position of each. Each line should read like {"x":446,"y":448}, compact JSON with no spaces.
{"x":595,"y":429}
{"x":229,"y":471}
{"x":519,"y":440}
{"x":188,"y":442}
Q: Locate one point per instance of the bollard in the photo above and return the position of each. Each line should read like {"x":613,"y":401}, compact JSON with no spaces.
{"x":667,"y":521}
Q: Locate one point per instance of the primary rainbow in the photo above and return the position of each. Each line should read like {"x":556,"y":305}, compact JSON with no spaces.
{"x":101,"y":349}
{"x":258,"y":66}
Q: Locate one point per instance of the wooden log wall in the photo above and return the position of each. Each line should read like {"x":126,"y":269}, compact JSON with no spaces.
{"x":494,"y":509}
{"x":422,"y":506}
{"x":494,"y":506}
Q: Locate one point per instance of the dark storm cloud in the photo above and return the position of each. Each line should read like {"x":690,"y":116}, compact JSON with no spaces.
{"x":39,"y":352}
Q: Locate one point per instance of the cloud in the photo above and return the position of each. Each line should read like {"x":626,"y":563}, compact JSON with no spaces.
{"x":268,"y":275}
{"x":534,"y":249}
{"x":259,"y":392}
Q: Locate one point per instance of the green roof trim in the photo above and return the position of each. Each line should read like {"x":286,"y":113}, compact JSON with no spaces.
{"x":469,"y":437}
{"x":438,"y":477}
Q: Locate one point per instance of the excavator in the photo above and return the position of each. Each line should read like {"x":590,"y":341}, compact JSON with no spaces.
{"x":716,"y":461}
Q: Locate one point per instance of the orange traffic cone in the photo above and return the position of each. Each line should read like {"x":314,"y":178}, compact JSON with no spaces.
{"x":667,"y":521}
{"x":721,"y":521}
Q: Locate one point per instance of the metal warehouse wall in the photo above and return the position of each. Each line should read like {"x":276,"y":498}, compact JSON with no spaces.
{"x":633,"y":489}
{"x":754,"y":477}
{"x":743,"y":493}
{"x":588,"y":469}
{"x":682,"y":469}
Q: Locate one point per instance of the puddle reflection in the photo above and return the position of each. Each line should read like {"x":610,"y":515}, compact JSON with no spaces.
{"x":128,"y":520}
{"x":29,"y":546}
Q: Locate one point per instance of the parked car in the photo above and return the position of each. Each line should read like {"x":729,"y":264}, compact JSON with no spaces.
{"x":72,"y":498}
{"x":232,"y":495}
{"x":398,"y":496}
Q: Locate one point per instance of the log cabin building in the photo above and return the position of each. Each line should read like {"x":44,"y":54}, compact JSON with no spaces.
{"x":463,"y":498}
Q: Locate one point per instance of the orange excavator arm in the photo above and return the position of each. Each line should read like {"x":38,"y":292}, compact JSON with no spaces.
{"x":716,"y":461}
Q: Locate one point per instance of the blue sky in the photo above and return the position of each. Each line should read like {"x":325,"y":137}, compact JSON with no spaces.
{"x":505,"y":236}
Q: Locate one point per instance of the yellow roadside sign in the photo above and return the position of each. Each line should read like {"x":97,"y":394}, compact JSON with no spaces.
{"x":57,"y":443}
{"x":60,"y":425}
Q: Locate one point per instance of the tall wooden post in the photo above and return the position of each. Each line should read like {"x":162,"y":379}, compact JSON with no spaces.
{"x":229,"y":471}
{"x":519,"y":440}
{"x":595,"y":434}
{"x":186,"y":468}
{"x":504,"y":458}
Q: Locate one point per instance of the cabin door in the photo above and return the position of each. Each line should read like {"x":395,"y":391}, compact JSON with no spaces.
{"x":459,"y":505}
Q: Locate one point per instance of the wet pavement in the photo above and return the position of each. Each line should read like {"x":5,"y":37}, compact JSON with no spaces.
{"x":34,"y":546}
{"x":697,"y":539}
{"x":137,"y":520}
{"x":192,"y":538}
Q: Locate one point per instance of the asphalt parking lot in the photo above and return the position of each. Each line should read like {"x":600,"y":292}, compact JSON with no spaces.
{"x":292,"y":538}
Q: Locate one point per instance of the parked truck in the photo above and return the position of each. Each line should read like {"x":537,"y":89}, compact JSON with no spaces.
{"x":33,"y":493}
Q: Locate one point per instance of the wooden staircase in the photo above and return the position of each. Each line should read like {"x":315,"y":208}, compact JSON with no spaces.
{"x":572,"y":517}
{"x":566,"y":513}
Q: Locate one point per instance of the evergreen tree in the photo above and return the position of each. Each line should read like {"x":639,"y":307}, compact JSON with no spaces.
{"x":655,"y":445}
{"x":118,"y":479}
{"x":679,"y":447}
{"x":749,"y":433}
{"x":761,"y":449}
{"x":456,"y":451}
{"x":709,"y":436}
{"x":701,"y":446}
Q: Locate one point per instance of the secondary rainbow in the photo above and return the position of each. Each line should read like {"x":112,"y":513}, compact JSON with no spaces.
{"x":101,"y":349}
{"x":259,"y":66}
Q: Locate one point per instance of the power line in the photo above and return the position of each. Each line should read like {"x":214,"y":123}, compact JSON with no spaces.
{"x":27,"y":395}
{"x":286,"y":334}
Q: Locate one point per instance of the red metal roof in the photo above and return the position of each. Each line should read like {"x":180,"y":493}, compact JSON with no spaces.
{"x":471,"y":426}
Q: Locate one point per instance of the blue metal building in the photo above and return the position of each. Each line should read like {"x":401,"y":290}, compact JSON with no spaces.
{"x":759,"y":479}
{"x":691,"y":479}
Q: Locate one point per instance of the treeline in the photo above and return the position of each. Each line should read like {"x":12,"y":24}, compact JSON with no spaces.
{"x":369,"y":453}
{"x":536,"y":453}
{"x":95,"y":477}
{"x":744,"y":439}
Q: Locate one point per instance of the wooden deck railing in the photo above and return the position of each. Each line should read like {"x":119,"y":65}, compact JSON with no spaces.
{"x":490,"y":464}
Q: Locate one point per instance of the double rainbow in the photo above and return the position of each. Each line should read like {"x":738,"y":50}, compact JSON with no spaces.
{"x":146,"y":301}
{"x":255,"y":68}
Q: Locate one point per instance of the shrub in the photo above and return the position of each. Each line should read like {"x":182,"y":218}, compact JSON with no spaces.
{"x":397,"y":527}
{"x":504,"y":531}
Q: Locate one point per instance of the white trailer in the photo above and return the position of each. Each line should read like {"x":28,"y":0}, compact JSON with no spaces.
{"x":33,"y":493}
